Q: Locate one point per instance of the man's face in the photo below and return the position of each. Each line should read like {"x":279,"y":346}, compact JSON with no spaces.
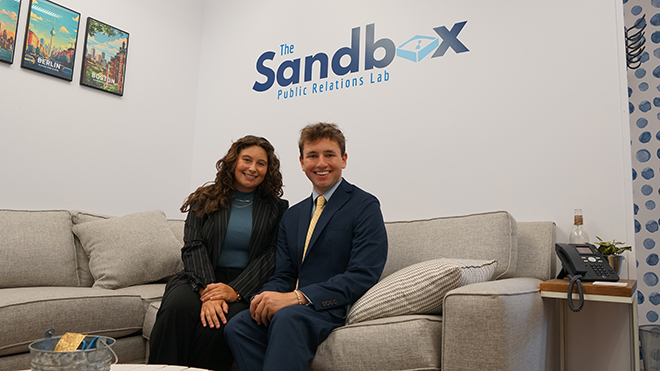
{"x":323,"y":162}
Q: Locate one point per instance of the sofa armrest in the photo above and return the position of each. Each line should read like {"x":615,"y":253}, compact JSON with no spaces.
{"x":500,"y":325}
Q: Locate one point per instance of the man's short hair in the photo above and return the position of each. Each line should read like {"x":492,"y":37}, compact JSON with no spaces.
{"x":321,"y":130}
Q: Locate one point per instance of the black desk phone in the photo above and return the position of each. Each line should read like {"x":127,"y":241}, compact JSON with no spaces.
{"x":585,"y":260}
{"x":582,"y":262}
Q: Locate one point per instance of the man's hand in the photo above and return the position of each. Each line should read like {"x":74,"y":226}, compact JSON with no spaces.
{"x":213,"y":312}
{"x":218,"y":291}
{"x":264,"y":306}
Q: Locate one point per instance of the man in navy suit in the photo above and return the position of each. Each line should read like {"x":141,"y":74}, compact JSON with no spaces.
{"x":313,"y":286}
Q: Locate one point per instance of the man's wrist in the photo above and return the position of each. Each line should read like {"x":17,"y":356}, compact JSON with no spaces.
{"x":302,"y":299}
{"x":298,"y":296}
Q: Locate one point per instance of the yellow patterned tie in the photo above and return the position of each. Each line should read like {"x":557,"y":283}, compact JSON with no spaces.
{"x":320,"y":202}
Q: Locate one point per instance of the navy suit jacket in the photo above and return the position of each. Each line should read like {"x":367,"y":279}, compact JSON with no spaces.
{"x":345,"y":256}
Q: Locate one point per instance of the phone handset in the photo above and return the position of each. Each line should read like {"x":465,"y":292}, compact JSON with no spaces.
{"x":582,"y":262}
{"x":575,"y":279}
{"x":574,"y":268}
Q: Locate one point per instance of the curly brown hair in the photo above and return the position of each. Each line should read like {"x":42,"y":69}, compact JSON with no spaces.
{"x":213,"y":196}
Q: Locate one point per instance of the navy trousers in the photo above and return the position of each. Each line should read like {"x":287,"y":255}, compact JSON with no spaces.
{"x":289,"y":342}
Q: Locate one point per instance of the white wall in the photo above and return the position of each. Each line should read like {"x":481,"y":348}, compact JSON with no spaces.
{"x":67,"y":146}
{"x":533,"y":119}
{"x":530,"y":120}
{"x":527,"y":121}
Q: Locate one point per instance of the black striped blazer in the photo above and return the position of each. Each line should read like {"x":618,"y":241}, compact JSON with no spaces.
{"x":203,"y":239}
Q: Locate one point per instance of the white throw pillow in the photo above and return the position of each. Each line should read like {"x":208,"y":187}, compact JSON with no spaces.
{"x":416,"y":289}
{"x":130,"y":250}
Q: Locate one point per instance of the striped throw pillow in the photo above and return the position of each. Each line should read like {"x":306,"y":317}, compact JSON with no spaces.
{"x":416,"y":289}
{"x":419,"y":288}
{"x":473,"y":270}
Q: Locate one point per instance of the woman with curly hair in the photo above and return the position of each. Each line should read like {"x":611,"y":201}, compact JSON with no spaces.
{"x":230,"y":238}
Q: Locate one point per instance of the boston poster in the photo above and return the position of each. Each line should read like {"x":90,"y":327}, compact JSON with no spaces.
{"x":104,"y":62}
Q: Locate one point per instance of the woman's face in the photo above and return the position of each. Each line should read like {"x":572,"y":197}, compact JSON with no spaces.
{"x":251,"y":169}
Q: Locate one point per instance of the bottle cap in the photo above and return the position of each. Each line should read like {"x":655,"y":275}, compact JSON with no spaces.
{"x":577,"y":220}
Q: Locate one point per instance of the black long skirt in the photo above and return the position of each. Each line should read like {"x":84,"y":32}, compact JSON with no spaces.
{"x":178,"y":337}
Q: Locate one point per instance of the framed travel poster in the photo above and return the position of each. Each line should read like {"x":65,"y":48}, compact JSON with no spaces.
{"x":104,"y":62}
{"x":50,"y":39}
{"x":9,"y":11}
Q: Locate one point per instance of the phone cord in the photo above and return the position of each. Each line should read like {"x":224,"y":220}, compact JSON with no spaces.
{"x":575,"y":279}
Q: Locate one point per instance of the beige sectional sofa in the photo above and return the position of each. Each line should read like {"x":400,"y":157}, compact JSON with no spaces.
{"x":88,"y":273}
{"x":500,"y":324}
{"x":48,"y":279}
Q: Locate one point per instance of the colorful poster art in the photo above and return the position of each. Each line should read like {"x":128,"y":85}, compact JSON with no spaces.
{"x":9,"y":10}
{"x":50,"y":39}
{"x":104,"y":64}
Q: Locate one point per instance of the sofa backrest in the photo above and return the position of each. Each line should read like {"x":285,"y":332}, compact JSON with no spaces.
{"x":521,"y":249}
{"x":37,"y":249}
{"x":536,"y":250}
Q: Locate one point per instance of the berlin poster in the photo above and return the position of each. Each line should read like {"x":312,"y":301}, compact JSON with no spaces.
{"x":50,"y":39}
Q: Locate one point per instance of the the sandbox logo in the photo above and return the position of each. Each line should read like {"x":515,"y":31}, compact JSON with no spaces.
{"x":419,"y":46}
{"x":346,"y":60}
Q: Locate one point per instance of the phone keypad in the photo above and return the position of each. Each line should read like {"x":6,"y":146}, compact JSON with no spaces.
{"x":597,"y":264}
{"x":600,"y":270}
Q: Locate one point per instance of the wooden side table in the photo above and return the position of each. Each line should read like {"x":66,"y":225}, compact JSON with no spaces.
{"x":619,"y":293}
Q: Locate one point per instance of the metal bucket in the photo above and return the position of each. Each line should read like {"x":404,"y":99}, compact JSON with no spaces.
{"x":44,"y":358}
{"x":650,"y":341}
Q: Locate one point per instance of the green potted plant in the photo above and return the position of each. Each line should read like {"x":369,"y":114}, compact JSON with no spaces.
{"x":612,"y":252}
{"x":611,"y":247}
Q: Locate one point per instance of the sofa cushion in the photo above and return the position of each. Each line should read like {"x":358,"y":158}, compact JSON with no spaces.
{"x":150,"y":319}
{"x":479,"y":236}
{"x":149,"y":293}
{"x":37,"y":249}
{"x":130,"y":250}
{"x":417,"y":289}
{"x":27,"y":312}
{"x":394,"y":343}
{"x":79,"y":217}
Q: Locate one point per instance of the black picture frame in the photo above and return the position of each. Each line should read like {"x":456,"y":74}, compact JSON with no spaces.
{"x":10,"y":12}
{"x":104,"y":58}
{"x":51,"y":52}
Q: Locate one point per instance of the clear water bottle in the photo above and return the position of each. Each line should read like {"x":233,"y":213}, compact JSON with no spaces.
{"x":578,"y":234}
